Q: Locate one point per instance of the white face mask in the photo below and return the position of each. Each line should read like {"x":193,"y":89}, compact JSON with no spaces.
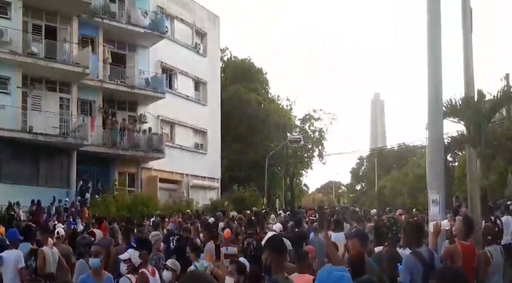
{"x":123,"y":268}
{"x":167,"y":276}
{"x":226,"y":262}
{"x":135,"y":258}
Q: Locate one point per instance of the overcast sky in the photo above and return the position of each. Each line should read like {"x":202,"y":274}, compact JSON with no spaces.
{"x":335,"y":54}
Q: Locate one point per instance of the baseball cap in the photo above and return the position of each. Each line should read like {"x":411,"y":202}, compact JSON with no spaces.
{"x":211,"y":220}
{"x":155,"y":236}
{"x":268,"y":235}
{"x":13,"y":236}
{"x":173,"y":264}
{"x":233,"y":214}
{"x":227,"y":234}
{"x":360,"y":235}
{"x":59,"y":232}
{"x":278,"y":227}
{"x":333,"y":274}
{"x":246,"y":263}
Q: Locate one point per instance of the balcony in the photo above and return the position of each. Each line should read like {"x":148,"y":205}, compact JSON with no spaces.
{"x":42,"y":57}
{"x":33,"y":125}
{"x":130,"y":25}
{"x":64,"y":7}
{"x":119,"y":82}
{"x":127,"y":142}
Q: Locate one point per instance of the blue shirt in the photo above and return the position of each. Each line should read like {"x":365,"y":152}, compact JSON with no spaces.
{"x":319,"y":245}
{"x":412,"y":270}
{"x":87,"y":278}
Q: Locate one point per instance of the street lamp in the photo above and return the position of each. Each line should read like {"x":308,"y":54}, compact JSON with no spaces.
{"x":282,"y":178}
{"x":293,"y":141}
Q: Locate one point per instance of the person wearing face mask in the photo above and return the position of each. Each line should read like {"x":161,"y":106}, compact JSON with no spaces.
{"x":83,"y":247}
{"x":127,"y":268}
{"x":96,"y":262}
{"x":142,"y":249}
{"x":171,"y":271}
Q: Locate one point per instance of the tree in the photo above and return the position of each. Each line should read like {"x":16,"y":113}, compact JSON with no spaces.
{"x":477,"y":116}
{"x":361,"y":188}
{"x":255,"y":122}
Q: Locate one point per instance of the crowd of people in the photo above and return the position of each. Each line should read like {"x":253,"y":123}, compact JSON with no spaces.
{"x":340,"y":244}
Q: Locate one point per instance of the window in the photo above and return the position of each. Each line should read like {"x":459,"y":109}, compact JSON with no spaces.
{"x":5,"y":9}
{"x":120,"y":105}
{"x":168,"y":130}
{"x":199,"y":138}
{"x":171,"y":78}
{"x":86,"y":107}
{"x":198,"y":90}
{"x":35,"y":83}
{"x":34,"y":165}
{"x":5,"y":85}
{"x":86,"y":41}
{"x":126,"y":180}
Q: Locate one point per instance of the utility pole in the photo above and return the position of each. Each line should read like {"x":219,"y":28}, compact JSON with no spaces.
{"x":435,"y":144}
{"x":469,"y":89}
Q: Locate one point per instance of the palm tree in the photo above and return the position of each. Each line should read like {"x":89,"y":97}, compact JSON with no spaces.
{"x":477,"y":116}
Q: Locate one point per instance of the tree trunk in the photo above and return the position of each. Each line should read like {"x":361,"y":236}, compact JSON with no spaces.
{"x":474,"y":194}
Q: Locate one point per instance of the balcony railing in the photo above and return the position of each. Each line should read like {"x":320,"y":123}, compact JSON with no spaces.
{"x":35,"y":45}
{"x":28,"y":119}
{"x":151,"y":20}
{"x":128,"y":137}
{"x":141,"y":79}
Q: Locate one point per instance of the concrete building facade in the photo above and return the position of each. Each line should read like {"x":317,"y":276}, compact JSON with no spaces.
{"x":83,"y":100}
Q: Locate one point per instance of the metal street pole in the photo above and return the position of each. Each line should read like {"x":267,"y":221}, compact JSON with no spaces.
{"x":469,"y":89}
{"x":266,"y":169}
{"x":282,"y":178}
{"x":435,"y":144}
{"x":376,"y":175}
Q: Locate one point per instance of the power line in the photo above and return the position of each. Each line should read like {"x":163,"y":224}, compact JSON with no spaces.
{"x":415,"y":142}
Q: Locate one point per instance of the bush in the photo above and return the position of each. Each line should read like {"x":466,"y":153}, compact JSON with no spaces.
{"x":138,"y":206}
{"x":177,"y":207}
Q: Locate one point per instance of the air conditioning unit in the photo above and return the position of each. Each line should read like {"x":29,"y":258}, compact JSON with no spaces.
{"x":4,"y":35}
{"x":199,"y":47}
{"x":143,"y":119}
{"x":198,"y":146}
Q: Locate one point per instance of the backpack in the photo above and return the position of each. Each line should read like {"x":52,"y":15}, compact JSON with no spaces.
{"x":31,"y":262}
{"x":131,"y":277}
{"x":429,"y":266}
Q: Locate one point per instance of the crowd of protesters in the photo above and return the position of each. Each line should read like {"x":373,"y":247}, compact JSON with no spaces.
{"x":61,"y":243}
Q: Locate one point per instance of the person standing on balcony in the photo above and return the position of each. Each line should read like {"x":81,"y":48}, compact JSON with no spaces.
{"x":122,"y":132}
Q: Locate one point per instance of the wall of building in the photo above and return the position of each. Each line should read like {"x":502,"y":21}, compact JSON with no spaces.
{"x":10,"y":114}
{"x":15,"y":23}
{"x":87,"y":29}
{"x":182,"y":56}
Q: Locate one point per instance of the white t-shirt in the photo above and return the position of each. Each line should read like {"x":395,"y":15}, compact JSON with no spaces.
{"x":339,"y":239}
{"x":12,"y":262}
{"x":507,"y":229}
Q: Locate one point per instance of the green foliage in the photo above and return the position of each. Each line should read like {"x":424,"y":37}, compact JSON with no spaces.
{"x":255,"y":122}
{"x":401,"y":170}
{"x":244,"y":199}
{"x":177,"y":207}
{"x":138,"y":206}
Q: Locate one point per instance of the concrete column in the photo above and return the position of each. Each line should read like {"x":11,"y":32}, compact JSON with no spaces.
{"x":100,"y":53}
{"x":72,"y":175}
{"x":435,"y":145}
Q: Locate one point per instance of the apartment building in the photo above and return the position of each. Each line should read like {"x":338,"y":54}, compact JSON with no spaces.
{"x":190,"y":114}
{"x":77,"y":89}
